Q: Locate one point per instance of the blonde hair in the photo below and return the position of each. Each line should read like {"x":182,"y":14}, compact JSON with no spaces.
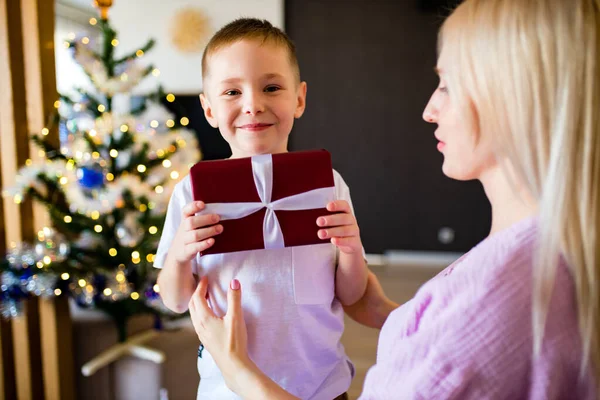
{"x":531,"y":72}
{"x":250,"y":29}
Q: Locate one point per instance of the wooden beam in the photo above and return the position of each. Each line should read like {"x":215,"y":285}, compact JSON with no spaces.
{"x":22,"y":101}
{"x":15,"y":149}
{"x":42,"y":363}
{"x":57,"y":349}
{"x":13,"y":125}
{"x":8,"y":387}
{"x":40,"y":88}
{"x":27,"y":350}
{"x":40,"y":79}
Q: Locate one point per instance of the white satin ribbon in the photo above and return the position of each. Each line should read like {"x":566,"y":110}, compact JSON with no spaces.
{"x":262,"y":169}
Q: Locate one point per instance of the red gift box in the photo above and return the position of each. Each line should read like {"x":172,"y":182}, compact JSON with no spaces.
{"x":300,"y":184}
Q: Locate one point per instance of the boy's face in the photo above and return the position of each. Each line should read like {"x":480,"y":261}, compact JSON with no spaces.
{"x":251,"y":94}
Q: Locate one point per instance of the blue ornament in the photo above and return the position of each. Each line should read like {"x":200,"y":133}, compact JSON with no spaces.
{"x":26,"y":274}
{"x":13,"y":293}
{"x":90,"y":177}
{"x":149,"y":292}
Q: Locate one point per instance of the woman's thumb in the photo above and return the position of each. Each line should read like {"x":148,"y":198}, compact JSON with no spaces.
{"x":234,"y":298}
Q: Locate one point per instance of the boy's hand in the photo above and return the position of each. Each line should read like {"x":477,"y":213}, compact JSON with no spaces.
{"x":342,"y":228}
{"x":195,"y":233}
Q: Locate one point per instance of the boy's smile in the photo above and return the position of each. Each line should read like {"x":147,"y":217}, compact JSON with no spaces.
{"x":256,"y":127}
{"x":252,"y":95}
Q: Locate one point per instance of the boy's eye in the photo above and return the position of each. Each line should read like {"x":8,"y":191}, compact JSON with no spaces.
{"x":272,"y":88}
{"x":233,"y":92}
{"x":443,"y":89}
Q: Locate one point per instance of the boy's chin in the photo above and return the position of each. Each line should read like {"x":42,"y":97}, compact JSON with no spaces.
{"x":255,"y":149}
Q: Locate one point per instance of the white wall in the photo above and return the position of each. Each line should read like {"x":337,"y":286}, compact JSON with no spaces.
{"x":180,"y":73}
{"x":136,"y":21}
{"x":69,"y":75}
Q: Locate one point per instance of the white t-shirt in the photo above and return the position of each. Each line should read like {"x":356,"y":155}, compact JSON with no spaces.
{"x":294,"y":320}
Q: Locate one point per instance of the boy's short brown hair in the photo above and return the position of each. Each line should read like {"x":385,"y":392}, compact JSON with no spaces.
{"x":250,"y":29}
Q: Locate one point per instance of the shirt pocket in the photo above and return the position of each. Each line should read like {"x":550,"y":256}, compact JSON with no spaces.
{"x":314,"y":273}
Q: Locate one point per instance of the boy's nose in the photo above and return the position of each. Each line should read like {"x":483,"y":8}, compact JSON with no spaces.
{"x":253,"y":105}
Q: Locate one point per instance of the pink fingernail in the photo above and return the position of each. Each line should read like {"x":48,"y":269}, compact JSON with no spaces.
{"x":235,"y":284}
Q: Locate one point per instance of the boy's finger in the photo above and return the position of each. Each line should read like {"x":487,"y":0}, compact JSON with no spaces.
{"x":346,"y":243}
{"x":197,"y":247}
{"x":234,"y":299}
{"x":201,"y":221}
{"x":200,"y":234}
{"x":339,"y":231}
{"x":336,"y":220}
{"x":338,"y":206}
{"x":192,"y":208}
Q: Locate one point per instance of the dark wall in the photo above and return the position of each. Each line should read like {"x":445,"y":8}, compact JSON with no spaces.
{"x":212,"y":144}
{"x":369,"y":68}
{"x":439,"y":7}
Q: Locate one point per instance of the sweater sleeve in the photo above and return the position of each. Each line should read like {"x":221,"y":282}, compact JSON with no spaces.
{"x":474,"y":344}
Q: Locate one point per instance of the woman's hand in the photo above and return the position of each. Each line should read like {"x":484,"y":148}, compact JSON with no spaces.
{"x":226,"y":339}
{"x":374,"y":307}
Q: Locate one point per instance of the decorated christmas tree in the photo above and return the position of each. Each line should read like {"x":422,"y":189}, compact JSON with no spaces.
{"x":106,"y":189}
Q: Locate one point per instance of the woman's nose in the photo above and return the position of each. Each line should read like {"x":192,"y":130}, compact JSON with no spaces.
{"x":429,"y":114}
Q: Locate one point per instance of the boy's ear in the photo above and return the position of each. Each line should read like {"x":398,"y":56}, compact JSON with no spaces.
{"x":301,"y":100}
{"x":208,"y":112}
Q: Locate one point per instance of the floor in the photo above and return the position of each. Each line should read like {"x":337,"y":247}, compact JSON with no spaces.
{"x":400,"y":283}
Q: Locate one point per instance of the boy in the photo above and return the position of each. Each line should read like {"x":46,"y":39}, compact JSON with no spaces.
{"x":293,"y":309}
